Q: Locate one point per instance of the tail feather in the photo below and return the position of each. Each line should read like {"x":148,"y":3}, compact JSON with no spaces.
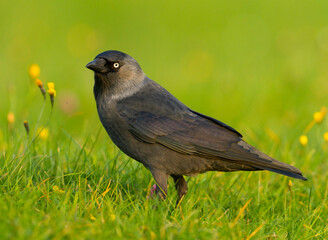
{"x":243,"y":153}
{"x":286,"y":173}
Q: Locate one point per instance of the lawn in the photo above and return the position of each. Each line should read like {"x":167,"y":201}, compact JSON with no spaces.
{"x":260,"y":67}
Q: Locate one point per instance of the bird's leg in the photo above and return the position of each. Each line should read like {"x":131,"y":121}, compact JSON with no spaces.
{"x":161,"y":180}
{"x":181,"y":186}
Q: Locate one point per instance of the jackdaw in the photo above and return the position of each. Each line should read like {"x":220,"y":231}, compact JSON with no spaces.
{"x":153,"y":127}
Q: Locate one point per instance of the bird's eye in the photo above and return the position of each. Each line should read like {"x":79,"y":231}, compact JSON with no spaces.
{"x":116,"y":65}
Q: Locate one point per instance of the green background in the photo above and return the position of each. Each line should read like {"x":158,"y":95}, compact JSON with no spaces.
{"x":259,"y":66}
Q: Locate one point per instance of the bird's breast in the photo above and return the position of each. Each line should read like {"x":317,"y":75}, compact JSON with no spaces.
{"x":118,"y":130}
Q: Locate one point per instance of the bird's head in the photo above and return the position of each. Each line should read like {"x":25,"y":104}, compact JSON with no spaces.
{"x":116,"y":71}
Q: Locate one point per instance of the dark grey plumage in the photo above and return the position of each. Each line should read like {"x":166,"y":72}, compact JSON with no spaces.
{"x":153,"y":127}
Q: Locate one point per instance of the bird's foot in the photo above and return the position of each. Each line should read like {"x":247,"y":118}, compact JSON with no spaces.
{"x":152,"y":191}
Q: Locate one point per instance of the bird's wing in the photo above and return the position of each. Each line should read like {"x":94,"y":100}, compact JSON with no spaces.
{"x":155,"y":116}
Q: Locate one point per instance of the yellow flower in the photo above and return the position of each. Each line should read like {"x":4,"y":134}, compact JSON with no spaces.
{"x":11,"y":117}
{"x":51,"y":89}
{"x":52,"y":92}
{"x":112,"y":217}
{"x":44,"y":134}
{"x":40,"y":85}
{"x":51,"y":85}
{"x":290,"y":184}
{"x":152,"y":235}
{"x":303,"y":140}
{"x":34,"y":71}
{"x":325,"y":136}
{"x":38,"y":82}
{"x":319,"y":116}
{"x":92,"y":217}
{"x":26,"y":126}
{"x":57,"y":190}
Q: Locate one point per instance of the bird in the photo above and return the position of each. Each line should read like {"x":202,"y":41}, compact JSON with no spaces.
{"x":150,"y":125}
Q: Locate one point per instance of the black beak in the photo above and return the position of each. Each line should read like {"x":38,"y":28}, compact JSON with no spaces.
{"x":97,"y":65}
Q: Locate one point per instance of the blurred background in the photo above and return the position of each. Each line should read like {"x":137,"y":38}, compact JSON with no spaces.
{"x":259,"y":66}
{"x":252,"y":64}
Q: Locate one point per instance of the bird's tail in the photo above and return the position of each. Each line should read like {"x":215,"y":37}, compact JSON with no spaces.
{"x":295,"y":174}
{"x":245,"y":154}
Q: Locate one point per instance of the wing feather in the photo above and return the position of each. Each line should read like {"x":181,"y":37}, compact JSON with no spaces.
{"x":155,"y":116}
{"x":161,"y":118}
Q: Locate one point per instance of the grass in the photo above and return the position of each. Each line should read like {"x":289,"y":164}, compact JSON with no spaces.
{"x":55,"y":186}
{"x":260,"y":68}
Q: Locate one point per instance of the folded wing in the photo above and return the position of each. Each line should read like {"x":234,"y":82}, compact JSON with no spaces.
{"x":155,"y":116}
